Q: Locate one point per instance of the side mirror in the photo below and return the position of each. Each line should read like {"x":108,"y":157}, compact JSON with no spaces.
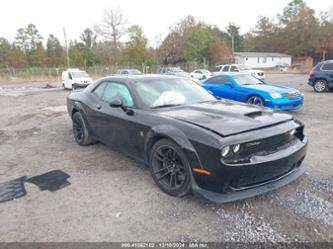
{"x":116,"y":103}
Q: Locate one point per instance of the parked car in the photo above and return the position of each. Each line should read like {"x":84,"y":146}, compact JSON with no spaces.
{"x":76,"y":77}
{"x":173,"y":71}
{"x":321,"y":76}
{"x":282,"y":67}
{"x":201,"y":74}
{"x":219,"y":149}
{"x":241,"y":68}
{"x":248,"y":89}
{"x":129,"y":72}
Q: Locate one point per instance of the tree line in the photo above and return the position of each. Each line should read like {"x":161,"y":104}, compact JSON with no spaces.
{"x":297,"y":31}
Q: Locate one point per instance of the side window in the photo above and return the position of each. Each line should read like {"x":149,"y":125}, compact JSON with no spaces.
{"x":327,"y":67}
{"x":116,"y":90}
{"x":219,"y":80}
{"x":234,"y":69}
{"x":70,"y":76}
{"x":199,"y":72}
{"x":226,"y":69}
{"x":98,"y":91}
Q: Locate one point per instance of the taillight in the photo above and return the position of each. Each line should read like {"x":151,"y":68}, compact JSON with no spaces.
{"x":312,"y":73}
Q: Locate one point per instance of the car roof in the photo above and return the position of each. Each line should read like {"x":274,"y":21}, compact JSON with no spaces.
{"x":135,"y":78}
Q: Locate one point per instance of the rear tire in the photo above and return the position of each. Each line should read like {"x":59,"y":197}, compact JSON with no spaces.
{"x":170,"y":168}
{"x":320,"y":86}
{"x":80,"y":131}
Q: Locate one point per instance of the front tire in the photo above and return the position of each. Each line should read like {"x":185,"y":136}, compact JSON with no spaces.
{"x":320,"y":86}
{"x":255,"y":100}
{"x":80,"y":131}
{"x":170,"y":168}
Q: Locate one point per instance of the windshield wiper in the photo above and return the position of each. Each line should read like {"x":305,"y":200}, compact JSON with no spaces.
{"x":164,"y":106}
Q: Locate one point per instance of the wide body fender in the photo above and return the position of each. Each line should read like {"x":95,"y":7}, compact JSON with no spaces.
{"x":176,"y":135}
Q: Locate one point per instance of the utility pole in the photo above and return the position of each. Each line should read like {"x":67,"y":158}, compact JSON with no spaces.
{"x":67,"y":55}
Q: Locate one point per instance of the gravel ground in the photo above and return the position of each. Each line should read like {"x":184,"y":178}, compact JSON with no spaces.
{"x":111,"y":198}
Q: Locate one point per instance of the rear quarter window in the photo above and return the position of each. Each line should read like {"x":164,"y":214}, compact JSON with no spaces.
{"x":327,"y":67}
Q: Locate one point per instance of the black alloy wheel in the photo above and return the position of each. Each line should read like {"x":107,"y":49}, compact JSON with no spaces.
{"x":80,"y":131}
{"x":170,"y":168}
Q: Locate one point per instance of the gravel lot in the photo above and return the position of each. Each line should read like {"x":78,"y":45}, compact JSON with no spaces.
{"x":111,"y":198}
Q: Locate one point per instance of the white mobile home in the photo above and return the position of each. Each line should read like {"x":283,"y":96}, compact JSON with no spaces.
{"x":262,"y":60}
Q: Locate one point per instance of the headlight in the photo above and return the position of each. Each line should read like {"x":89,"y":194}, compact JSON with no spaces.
{"x":276,"y":95}
{"x":225,"y":151}
{"x":236,"y":148}
{"x":292,"y":132}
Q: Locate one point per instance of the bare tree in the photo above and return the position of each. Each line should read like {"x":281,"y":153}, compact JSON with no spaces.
{"x":112,"y":26}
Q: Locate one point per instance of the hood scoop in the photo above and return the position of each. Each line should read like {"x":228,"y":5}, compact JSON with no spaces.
{"x":254,"y":114}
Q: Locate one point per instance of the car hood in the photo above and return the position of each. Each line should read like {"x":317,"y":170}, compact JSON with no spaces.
{"x":271,"y":88}
{"x":226,"y":118}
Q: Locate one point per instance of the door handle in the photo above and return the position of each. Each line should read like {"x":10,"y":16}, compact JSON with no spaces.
{"x":98,"y":107}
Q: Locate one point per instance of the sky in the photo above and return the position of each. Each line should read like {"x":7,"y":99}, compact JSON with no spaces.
{"x":154,"y":16}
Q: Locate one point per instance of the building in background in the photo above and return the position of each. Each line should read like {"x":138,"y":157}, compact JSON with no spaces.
{"x":262,"y":60}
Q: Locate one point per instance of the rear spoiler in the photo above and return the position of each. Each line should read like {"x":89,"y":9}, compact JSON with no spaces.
{"x":77,"y":86}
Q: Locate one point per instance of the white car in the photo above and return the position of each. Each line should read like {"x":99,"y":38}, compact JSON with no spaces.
{"x":241,"y":68}
{"x":201,"y":74}
{"x":75,"y":76}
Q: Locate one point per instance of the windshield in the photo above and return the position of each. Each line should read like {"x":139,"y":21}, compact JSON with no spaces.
{"x":243,"y":67}
{"x":80,"y":74}
{"x":156,"y":93}
{"x":246,"y":80}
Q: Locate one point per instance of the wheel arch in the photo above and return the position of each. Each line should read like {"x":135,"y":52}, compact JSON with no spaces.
{"x":78,"y":107}
{"x":174,"y":134}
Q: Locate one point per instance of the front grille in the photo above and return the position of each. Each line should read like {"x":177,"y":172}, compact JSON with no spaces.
{"x":263,"y":147}
{"x":292,"y":96}
{"x":261,"y":74}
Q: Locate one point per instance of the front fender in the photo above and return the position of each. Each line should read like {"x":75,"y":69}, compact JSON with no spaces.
{"x":176,"y":135}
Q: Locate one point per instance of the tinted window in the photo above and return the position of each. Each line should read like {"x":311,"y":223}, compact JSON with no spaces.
{"x":328,"y":66}
{"x":226,"y":69}
{"x":234,"y":69}
{"x":116,"y":90}
{"x":218,"y":80}
{"x":99,"y":90}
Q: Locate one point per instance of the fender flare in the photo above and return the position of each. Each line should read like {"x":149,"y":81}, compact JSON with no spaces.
{"x":78,"y":107}
{"x":176,"y":135}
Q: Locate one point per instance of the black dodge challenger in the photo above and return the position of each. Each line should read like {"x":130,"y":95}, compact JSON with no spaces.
{"x":218,"y":149}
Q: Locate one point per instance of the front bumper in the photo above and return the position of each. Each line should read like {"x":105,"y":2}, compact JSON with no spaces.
{"x":285,"y":104}
{"x":251,"y":192}
{"x":263,"y":174}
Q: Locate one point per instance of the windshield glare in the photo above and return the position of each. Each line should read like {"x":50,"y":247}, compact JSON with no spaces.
{"x":80,"y":75}
{"x":163,"y":92}
{"x":246,"y":80}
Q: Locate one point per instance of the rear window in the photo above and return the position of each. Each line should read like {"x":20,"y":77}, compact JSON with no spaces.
{"x":327,"y":67}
